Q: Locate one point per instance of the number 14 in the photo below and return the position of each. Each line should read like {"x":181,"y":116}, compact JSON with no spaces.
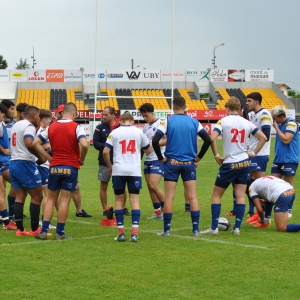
{"x":128,"y":148}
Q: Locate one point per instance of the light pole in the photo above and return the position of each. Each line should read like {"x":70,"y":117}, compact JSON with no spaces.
{"x":214,"y":57}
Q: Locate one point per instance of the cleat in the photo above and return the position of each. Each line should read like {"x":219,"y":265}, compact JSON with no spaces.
{"x":236,"y":231}
{"x":196,"y":233}
{"x":126,"y":212}
{"x":120,"y":238}
{"x":230,"y":214}
{"x":133,"y":238}
{"x":253,"y":218}
{"x":52,"y":227}
{"x":62,"y":237}
{"x":41,"y":236}
{"x":38,"y":231}
{"x":82,"y":214}
{"x":156,"y":217}
{"x":263,"y":225}
{"x":164,"y":233}
{"x":254,"y":222}
{"x":10,"y":226}
{"x":250,"y":215}
{"x":210,"y":231}
{"x":187,"y":210}
{"x":20,"y":233}
{"x":105,"y":213}
{"x":290,"y":215}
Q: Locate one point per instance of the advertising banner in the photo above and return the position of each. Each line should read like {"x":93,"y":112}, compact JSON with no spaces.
{"x":124,"y":76}
{"x":207,"y":114}
{"x":236,"y":75}
{"x":177,"y":75}
{"x":259,"y":75}
{"x":162,"y":114}
{"x":197,"y":75}
{"x":55,"y":75}
{"x":72,"y":75}
{"x":89,"y":75}
{"x":151,"y":75}
{"x":4,"y":75}
{"x":36,"y":75}
{"x":218,"y":75}
{"x":18,"y":75}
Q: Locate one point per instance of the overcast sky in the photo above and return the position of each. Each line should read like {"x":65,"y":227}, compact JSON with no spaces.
{"x":258,"y":34}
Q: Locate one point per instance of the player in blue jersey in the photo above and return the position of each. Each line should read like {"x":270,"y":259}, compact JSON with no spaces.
{"x":235,"y":163}
{"x":153,"y":168}
{"x":286,"y":147}
{"x":181,"y":152}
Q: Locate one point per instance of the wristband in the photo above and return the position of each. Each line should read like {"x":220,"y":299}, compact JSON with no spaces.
{"x":253,"y":153}
{"x":217,"y":155}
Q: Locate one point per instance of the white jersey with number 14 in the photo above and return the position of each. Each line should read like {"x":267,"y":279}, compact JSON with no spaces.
{"x":126,"y":143}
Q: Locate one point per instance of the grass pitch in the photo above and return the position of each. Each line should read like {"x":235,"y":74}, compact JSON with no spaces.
{"x":258,"y":264}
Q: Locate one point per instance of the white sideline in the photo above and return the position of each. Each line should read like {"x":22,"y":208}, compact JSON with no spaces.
{"x":210,"y":240}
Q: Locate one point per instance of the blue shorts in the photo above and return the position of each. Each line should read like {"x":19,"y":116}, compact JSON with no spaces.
{"x":259,"y":163}
{"x":63,"y":178}
{"x":154,"y":167}
{"x":174,"y":168}
{"x":238,"y":173}
{"x":24,"y":174}
{"x":288,"y":169}
{"x":4,"y":166}
{"x":44,"y":174}
{"x":283,"y":201}
{"x":133,"y":182}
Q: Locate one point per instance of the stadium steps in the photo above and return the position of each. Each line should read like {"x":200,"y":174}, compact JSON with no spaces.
{"x":192,"y":95}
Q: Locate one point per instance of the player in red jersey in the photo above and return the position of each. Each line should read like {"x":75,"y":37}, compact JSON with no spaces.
{"x":64,"y":164}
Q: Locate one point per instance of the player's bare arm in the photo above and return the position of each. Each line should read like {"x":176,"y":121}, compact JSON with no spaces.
{"x":84,"y":147}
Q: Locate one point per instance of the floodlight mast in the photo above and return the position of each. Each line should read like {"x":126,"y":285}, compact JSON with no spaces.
{"x":214,"y":56}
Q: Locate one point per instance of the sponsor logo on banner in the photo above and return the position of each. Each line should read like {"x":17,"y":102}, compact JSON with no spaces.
{"x":259,"y":75}
{"x":236,"y":75}
{"x":101,"y":75}
{"x":133,"y":75}
{"x":137,"y":115}
{"x":207,"y":114}
{"x":36,"y":75}
{"x":18,"y":75}
{"x":55,"y":75}
{"x":177,"y":76}
{"x":218,"y":75}
{"x":115,"y":75}
{"x":4,"y":75}
{"x":151,"y":76}
{"x":197,"y":75}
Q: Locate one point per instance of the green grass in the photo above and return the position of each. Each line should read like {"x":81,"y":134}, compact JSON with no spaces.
{"x":258,"y":264}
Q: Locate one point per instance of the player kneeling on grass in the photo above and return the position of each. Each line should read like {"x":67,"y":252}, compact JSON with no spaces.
{"x":126,"y":142}
{"x":278,"y":192}
{"x":235,"y":163}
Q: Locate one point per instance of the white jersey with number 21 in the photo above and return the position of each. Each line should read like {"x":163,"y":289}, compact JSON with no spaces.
{"x":235,"y":132}
{"x":126,"y":143}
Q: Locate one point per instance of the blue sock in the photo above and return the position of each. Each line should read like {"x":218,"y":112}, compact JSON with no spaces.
{"x":162,"y":204}
{"x":234,"y":201}
{"x":156,"y":205}
{"x":240,"y":211}
{"x":60,"y":228}
{"x":167,"y":221}
{"x":268,"y":209}
{"x":187,"y":206}
{"x":251,"y":206}
{"x":4,"y":215}
{"x":120,"y":217}
{"x":135,"y":216}
{"x":195,"y":216}
{"x":293,"y":228}
{"x":45,"y":226}
{"x":11,"y":202}
{"x":215,"y":214}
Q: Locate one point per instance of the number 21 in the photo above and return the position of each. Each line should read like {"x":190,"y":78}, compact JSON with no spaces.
{"x":236,"y":132}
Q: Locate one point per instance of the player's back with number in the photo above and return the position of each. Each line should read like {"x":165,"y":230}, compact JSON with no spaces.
{"x":127,"y":142}
{"x":235,"y":131}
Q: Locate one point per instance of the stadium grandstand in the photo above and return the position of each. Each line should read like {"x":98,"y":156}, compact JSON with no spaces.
{"x":128,"y":95}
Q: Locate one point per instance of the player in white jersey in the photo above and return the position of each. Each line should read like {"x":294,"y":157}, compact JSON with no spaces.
{"x":25,"y":177}
{"x":234,"y":163}
{"x":278,"y":192}
{"x":262,"y":119}
{"x":153,"y":168}
{"x":126,"y":143}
